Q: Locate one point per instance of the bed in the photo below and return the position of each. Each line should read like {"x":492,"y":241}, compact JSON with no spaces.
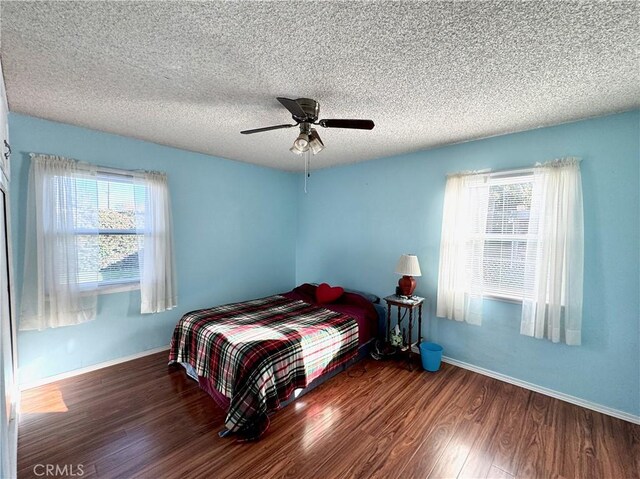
{"x":255,"y":357}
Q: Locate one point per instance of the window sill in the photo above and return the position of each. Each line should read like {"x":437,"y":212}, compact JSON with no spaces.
{"x":118,"y":288}
{"x":113,"y":288}
{"x":503,"y":298}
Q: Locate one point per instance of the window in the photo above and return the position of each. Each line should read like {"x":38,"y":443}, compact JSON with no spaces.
{"x":520,"y":236}
{"x":484,"y":249}
{"x":120,"y":207}
{"x":506,"y":235}
{"x":91,"y":229}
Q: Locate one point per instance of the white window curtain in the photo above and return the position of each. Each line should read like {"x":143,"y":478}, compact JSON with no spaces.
{"x":158,"y":288}
{"x":53,"y":294}
{"x":552,"y":302}
{"x":460,"y":277}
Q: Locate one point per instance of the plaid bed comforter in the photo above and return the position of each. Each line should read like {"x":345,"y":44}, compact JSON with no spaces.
{"x":258,"y":352}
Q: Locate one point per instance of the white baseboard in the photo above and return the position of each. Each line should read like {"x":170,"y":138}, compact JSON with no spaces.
{"x":95,"y":367}
{"x":547,"y":392}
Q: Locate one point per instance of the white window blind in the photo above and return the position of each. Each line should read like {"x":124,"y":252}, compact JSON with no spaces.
{"x":507,"y":235}
{"x":113,"y":239}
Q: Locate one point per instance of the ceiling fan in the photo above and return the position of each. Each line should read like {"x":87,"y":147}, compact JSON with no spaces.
{"x":304,"y":112}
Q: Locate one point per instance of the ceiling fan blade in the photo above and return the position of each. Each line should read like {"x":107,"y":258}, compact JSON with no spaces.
{"x":266,"y":128}
{"x":354,"y":124}
{"x":293,"y":107}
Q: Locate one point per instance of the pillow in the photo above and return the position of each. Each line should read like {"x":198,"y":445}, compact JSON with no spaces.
{"x":326,"y":294}
{"x":369,"y":296}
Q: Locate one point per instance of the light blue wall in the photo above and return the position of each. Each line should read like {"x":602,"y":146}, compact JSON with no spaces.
{"x":350,"y":229}
{"x":357,"y":220}
{"x":234,"y":227}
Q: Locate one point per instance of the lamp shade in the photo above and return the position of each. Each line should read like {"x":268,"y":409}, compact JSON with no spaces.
{"x":408,"y":265}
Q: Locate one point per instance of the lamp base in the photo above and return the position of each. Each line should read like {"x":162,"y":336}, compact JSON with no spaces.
{"x":407,"y":285}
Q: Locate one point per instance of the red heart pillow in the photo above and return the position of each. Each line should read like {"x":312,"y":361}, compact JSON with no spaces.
{"x":327,"y":294}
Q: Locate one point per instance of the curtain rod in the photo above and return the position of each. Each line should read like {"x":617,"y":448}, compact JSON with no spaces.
{"x":120,"y":172}
{"x":99,"y":168}
{"x":490,"y":172}
{"x":512,"y":171}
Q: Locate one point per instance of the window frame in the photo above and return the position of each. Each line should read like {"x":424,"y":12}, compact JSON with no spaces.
{"x":503,"y":177}
{"x":120,"y":285}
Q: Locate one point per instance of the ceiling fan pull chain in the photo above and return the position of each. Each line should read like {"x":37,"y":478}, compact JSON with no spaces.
{"x":306,"y":169}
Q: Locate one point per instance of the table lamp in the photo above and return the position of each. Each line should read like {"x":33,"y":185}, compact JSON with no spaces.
{"x":408,"y":267}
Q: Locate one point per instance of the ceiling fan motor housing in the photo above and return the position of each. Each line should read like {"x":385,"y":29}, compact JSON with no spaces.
{"x":311,"y":109}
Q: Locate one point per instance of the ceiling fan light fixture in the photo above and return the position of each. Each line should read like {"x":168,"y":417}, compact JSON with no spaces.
{"x":301,"y":144}
{"x":295,"y":150}
{"x":315,"y":143}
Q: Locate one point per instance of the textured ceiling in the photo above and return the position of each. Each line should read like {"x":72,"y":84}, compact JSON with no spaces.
{"x":192,"y":75}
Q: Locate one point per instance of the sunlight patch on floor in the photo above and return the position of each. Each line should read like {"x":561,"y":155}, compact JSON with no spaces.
{"x":48,"y":401}
{"x":318,"y":425}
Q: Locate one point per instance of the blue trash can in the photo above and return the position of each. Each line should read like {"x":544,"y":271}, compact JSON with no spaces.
{"x":431,"y":355}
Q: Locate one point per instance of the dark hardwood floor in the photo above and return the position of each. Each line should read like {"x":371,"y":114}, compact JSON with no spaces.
{"x":145,"y":419}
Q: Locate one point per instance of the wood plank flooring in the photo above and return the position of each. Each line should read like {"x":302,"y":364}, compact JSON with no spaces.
{"x":146,"y":419}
